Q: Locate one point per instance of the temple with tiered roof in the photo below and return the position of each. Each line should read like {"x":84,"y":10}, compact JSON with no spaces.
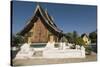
{"x":40,"y":27}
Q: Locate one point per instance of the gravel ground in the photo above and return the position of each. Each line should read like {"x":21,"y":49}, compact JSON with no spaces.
{"x":41,"y":61}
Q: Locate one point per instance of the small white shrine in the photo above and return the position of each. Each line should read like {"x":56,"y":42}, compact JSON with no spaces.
{"x":25,"y":52}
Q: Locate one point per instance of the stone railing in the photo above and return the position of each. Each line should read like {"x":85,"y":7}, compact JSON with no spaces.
{"x":65,"y":53}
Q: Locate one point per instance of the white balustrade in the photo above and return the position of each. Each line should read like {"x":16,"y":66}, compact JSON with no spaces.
{"x":51,"y":52}
{"x":64,"y":52}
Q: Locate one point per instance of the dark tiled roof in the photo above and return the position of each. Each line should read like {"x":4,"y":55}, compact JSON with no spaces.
{"x":84,"y":35}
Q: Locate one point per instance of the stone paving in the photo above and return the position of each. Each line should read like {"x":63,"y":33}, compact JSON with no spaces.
{"x":41,"y":61}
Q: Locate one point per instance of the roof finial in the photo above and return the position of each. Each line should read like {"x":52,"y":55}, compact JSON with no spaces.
{"x":38,"y":4}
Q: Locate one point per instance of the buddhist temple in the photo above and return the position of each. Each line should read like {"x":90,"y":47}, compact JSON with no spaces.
{"x":40,"y":27}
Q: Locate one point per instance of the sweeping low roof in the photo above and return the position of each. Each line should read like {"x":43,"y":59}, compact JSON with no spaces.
{"x":48,"y":20}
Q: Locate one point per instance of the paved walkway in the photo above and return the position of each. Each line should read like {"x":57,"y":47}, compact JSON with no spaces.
{"x":40,"y":61}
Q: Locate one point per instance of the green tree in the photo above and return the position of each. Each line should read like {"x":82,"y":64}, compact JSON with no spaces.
{"x":69,"y":37}
{"x":93,"y":37}
{"x":75,"y":35}
{"x":17,"y":39}
{"x":79,"y":41}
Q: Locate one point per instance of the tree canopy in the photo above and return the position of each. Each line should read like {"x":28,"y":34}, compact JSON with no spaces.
{"x":17,"y":39}
{"x":93,"y":37}
{"x":71,"y":36}
{"x":79,"y":41}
